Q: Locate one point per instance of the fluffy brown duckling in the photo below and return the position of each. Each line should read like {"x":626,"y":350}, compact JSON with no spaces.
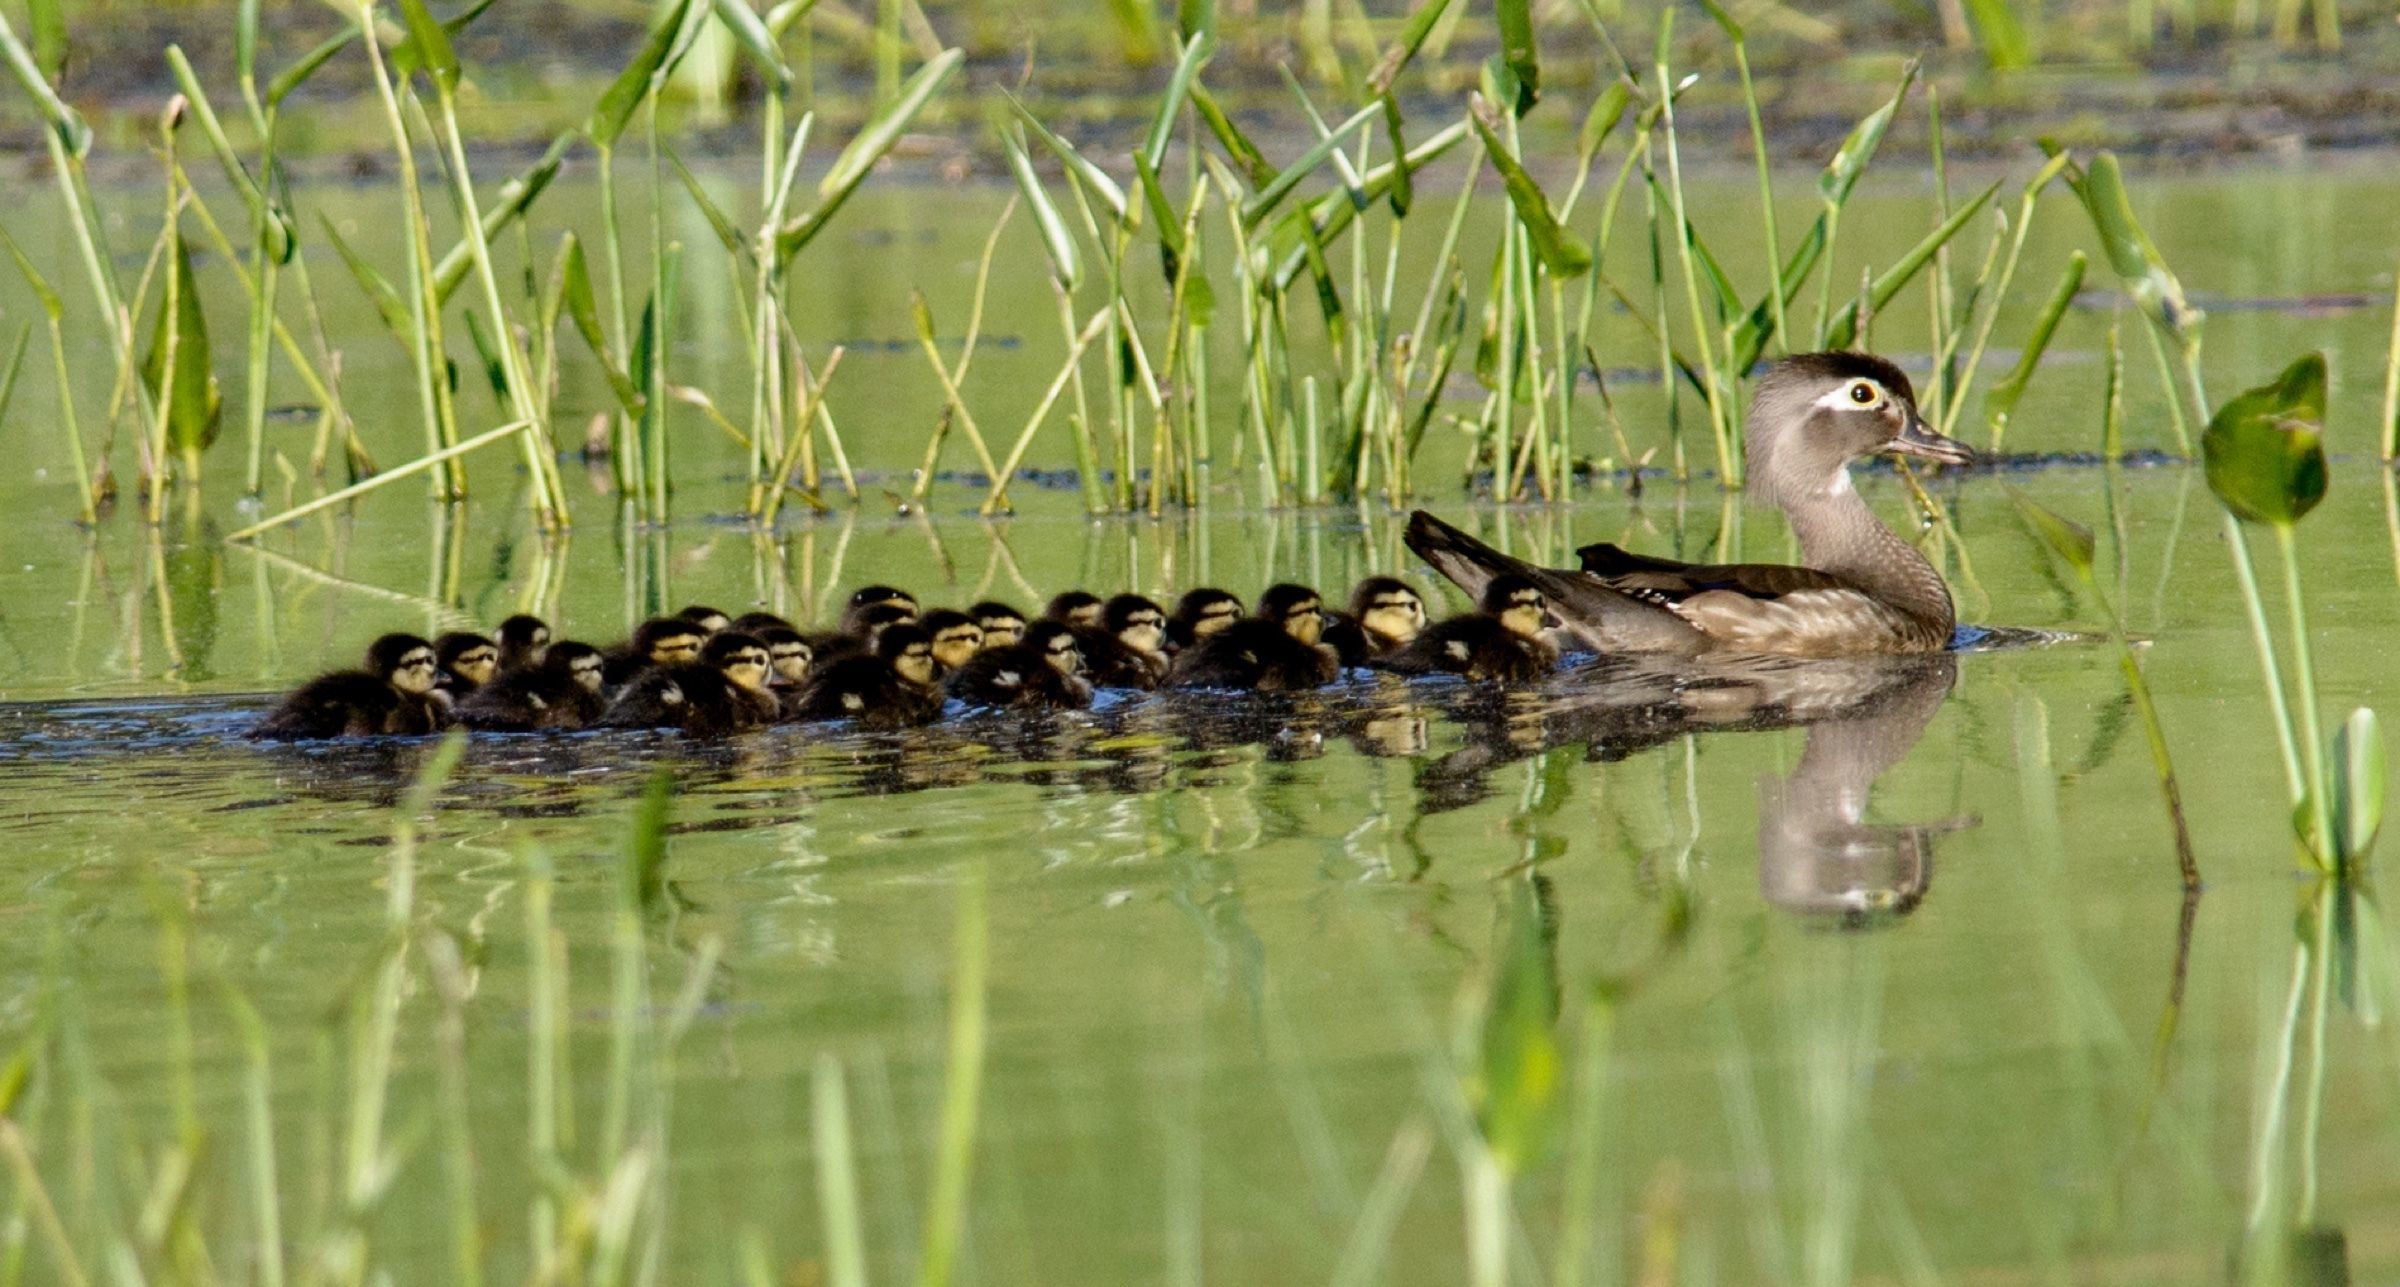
{"x":894,"y":687}
{"x":710,"y":620}
{"x":862,"y":628}
{"x":1501,"y":641}
{"x":1042,"y":671}
{"x":1129,"y":647}
{"x":1002,"y":625}
{"x":956,"y":637}
{"x":1075,"y":607}
{"x":758,"y":623}
{"x":789,"y":655}
{"x":867,"y":598}
{"x":468,"y":662}
{"x":724,"y":692}
{"x":1276,"y":650}
{"x":660,"y":641}
{"x":561,"y":693}
{"x":522,"y":638}
{"x":1199,"y":614}
{"x":392,"y":694}
{"x":1385,"y":615}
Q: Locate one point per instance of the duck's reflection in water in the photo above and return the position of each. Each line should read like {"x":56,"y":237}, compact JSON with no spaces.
{"x":1817,"y":855}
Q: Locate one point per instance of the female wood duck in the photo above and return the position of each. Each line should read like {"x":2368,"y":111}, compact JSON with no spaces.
{"x":468,"y":662}
{"x":891,"y":688}
{"x":1200,"y":613}
{"x":956,"y":637}
{"x":522,"y":639}
{"x":1501,"y":641}
{"x":1862,"y":590}
{"x":1002,"y":624}
{"x":1043,"y":671}
{"x":392,"y":694}
{"x":660,"y":641}
{"x":562,"y":693}
{"x":1276,"y":650}
{"x":725,"y":692}
{"x":1128,"y":648}
{"x":1385,"y":615}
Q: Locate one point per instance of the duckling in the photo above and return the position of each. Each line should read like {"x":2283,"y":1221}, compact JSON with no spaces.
{"x":561,"y":693}
{"x":1276,"y":650}
{"x":724,"y":693}
{"x":1075,"y":607}
{"x":1128,"y":648}
{"x":1385,"y":615}
{"x":1502,"y":640}
{"x":393,"y":694}
{"x":1199,"y":614}
{"x":757,"y":623}
{"x":660,"y":641}
{"x":1042,"y":671}
{"x":710,"y":620}
{"x":1002,"y":624}
{"x":866,"y":599}
{"x":789,"y":652}
{"x":956,"y":637}
{"x":468,"y":662}
{"x":522,"y":639}
{"x":862,"y":628}
{"x":891,"y":688}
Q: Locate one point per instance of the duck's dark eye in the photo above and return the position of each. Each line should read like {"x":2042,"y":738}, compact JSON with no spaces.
{"x":1862,"y":393}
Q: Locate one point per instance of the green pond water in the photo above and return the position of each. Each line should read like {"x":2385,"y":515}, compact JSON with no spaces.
{"x":1901,"y":982}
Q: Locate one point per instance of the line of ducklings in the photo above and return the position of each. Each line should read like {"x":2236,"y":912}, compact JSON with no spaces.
{"x":889,"y":665}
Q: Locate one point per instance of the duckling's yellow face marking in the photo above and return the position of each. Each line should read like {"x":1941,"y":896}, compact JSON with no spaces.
{"x":1528,"y":611}
{"x":1086,"y":614}
{"x":956,"y":643}
{"x":875,"y":631}
{"x":713,"y":623}
{"x":747,"y":667}
{"x":1002,"y":632}
{"x":415,"y":671}
{"x":1063,"y":656}
{"x":916,"y":665}
{"x":1144,"y":631}
{"x":587,"y":672}
{"x":1215,"y":617}
{"x":674,"y":649}
{"x":791,"y":661}
{"x":477,"y":663}
{"x":1305,"y":621}
{"x":1396,"y":615}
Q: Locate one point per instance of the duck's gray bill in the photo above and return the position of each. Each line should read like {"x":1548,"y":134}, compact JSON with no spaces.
{"x":1919,"y":439}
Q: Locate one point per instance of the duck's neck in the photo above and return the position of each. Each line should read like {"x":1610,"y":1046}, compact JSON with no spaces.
{"x":1840,"y":535}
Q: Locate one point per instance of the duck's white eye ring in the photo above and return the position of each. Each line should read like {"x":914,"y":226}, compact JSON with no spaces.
{"x":1863,"y":393}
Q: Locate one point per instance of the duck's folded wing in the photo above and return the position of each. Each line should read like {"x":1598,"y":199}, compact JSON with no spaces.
{"x":1675,"y":579}
{"x":1601,"y":616}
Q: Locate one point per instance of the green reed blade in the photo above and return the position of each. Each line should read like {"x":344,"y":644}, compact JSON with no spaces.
{"x":962,"y":1083}
{"x":1323,"y":220}
{"x":1089,"y":178}
{"x":1895,"y":278}
{"x":1420,"y":25}
{"x":1162,"y":215}
{"x":388,"y":304}
{"x":509,"y":205}
{"x":1060,"y":243}
{"x":756,"y":40}
{"x":2360,"y":771}
{"x":737,"y":247}
{"x":878,"y":136}
{"x":1229,"y":135}
{"x":65,"y":123}
{"x":428,"y":48}
{"x":1276,"y":189}
{"x":392,"y":475}
{"x":2001,"y":402}
{"x":625,"y":94}
{"x":575,"y":288}
{"x":16,"y":363}
{"x":1170,"y":103}
{"x":178,"y":368}
{"x":263,"y":213}
{"x":1562,"y":252}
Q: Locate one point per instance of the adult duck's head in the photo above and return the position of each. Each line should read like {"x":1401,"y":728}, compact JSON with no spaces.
{"x":1814,"y":413}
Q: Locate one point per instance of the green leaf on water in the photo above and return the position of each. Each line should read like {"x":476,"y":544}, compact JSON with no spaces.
{"x":2069,"y":540}
{"x":1515,"y":1084}
{"x":192,"y":413}
{"x":428,"y":47}
{"x":1561,"y":250}
{"x":625,"y":94}
{"x":2359,"y":773}
{"x":2264,"y":449}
